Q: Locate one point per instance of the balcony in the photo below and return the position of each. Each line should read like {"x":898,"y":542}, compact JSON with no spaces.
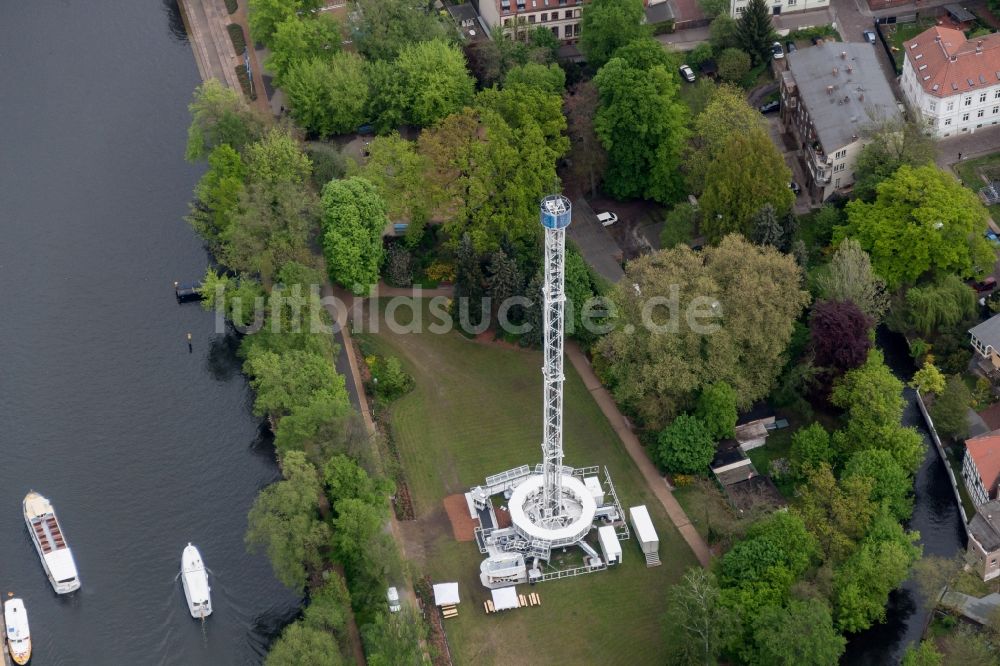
{"x":820,"y":164}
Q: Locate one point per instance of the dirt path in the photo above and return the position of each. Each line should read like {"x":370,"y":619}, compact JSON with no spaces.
{"x":656,"y":482}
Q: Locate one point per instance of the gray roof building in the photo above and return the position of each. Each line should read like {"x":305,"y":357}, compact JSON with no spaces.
{"x":988,"y":332}
{"x":844,"y":89}
{"x":985,"y":525}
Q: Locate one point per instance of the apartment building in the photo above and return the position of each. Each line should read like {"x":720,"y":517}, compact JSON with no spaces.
{"x":830,"y":94}
{"x":562,"y":17}
{"x":952,"y":83}
{"x":778,"y":7}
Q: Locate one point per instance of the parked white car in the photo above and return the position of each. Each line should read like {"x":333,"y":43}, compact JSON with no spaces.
{"x":687,"y":73}
{"x":392,"y":595}
{"x":607,"y":219}
{"x":777,"y":51}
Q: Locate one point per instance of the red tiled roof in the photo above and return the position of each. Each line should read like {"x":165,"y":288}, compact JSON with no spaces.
{"x":985,"y":452}
{"x":991,"y":416}
{"x":946,"y":63}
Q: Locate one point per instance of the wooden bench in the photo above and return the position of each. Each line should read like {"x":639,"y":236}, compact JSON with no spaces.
{"x":522,"y":601}
{"x":450,"y":613}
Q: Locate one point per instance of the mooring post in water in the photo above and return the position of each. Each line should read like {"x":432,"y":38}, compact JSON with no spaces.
{"x":190,"y":348}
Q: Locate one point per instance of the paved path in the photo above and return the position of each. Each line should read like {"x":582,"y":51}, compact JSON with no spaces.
{"x":594,"y":242}
{"x":657,"y":483}
{"x":213,"y":50}
{"x":970,"y":144}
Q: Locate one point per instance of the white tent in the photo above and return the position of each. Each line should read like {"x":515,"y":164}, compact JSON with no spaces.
{"x":505,"y":598}
{"x":446,"y":594}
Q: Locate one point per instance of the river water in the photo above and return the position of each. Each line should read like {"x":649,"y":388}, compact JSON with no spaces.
{"x":935,"y":516}
{"x":140,"y":445}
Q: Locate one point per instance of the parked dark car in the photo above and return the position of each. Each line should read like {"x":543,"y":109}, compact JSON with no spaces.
{"x":794,"y":187}
{"x":770,"y":107}
{"x":986,"y":284}
{"x":790,"y":47}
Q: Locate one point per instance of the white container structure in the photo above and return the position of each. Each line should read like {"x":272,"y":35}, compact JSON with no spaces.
{"x":610,"y":546}
{"x":194,"y":577}
{"x":596,"y":490}
{"x":645,"y":534}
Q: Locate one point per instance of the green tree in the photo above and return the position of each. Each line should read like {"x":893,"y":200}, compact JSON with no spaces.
{"x":266,"y":15}
{"x":399,"y":171}
{"x":274,"y":224}
{"x":220,"y":116}
{"x":716,"y":407}
{"x":302,"y":37}
{"x":356,"y":528}
{"x":767,"y":229}
{"x":799,"y":634}
{"x":928,"y":379}
{"x":698,"y":625}
{"x":861,"y":585}
{"x":838,"y":514}
{"x":950,"y":410}
{"x":939,"y":306}
{"x":489,"y":176}
{"x":759,"y":570}
{"x":608,"y":25}
{"x":873,"y":399}
{"x":892,"y":484}
{"x":810,"y":449}
{"x":284,"y":381}
{"x":217,"y":196}
{"x":326,"y":96}
{"x":734,"y":65}
{"x":284,"y":521}
{"x":300,"y":644}
{"x":385,"y":98}
{"x":754,"y":31}
{"x":345,"y":479}
{"x":727,"y":114}
{"x":890,"y":144}
{"x":646,"y":53}
{"x":643,"y":158}
{"x":435,"y":82}
{"x":745,"y":175}
{"x":723,"y":33}
{"x":354,"y":216}
{"x":394,"y":639}
{"x":547,"y":78}
{"x":277,"y":158}
{"x":320,"y":428}
{"x":699,"y":54}
{"x":849,"y":277}
{"x":686,"y":446}
{"x":329,"y":606}
{"x":383,"y":28}
{"x":924,"y":654}
{"x":922,"y":221}
{"x":658,"y":361}
{"x":239,"y":298}
{"x":679,"y":225}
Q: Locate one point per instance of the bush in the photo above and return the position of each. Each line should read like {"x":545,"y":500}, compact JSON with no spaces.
{"x":328,"y":163}
{"x":686,"y":446}
{"x":231,"y":6}
{"x":821,"y":31}
{"x":389,"y":380}
{"x":679,"y":226}
{"x":244,"y":77}
{"x":440,"y":271}
{"x":237,"y":37}
{"x":398,"y":266}
{"x":699,"y":54}
{"x":664,"y":28}
{"x":734,"y":65}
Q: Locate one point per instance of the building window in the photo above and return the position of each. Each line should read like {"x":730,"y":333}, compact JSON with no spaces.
{"x":568,"y":14}
{"x":838,"y":168}
{"x":791,"y":3}
{"x":933,"y":106}
{"x":951,"y":106}
{"x":996,"y":110}
{"x":968,"y":101}
{"x":840,"y":154}
{"x":947,"y":121}
{"x":531,"y":18}
{"x":965,"y":117}
{"x":982,"y":98}
{"x":576,"y":29}
{"x":555,"y":31}
{"x":836,"y":183}
{"x":545,"y":17}
{"x":980,"y":112}
{"x":739,"y":10}
{"x":996,"y":95}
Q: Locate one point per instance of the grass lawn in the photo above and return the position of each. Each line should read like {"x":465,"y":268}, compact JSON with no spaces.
{"x":902,"y":32}
{"x":476,"y":410}
{"x":971,"y":173}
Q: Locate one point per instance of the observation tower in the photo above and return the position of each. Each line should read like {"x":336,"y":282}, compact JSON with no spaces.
{"x":550,"y":505}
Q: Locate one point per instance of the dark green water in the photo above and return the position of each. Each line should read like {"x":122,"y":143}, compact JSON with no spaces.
{"x":141,"y":446}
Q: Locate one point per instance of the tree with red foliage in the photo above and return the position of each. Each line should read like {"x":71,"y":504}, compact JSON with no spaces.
{"x":838,"y":331}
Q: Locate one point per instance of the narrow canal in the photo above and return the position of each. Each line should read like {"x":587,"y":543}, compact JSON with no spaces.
{"x":935,"y":516}
{"x":141,"y":446}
